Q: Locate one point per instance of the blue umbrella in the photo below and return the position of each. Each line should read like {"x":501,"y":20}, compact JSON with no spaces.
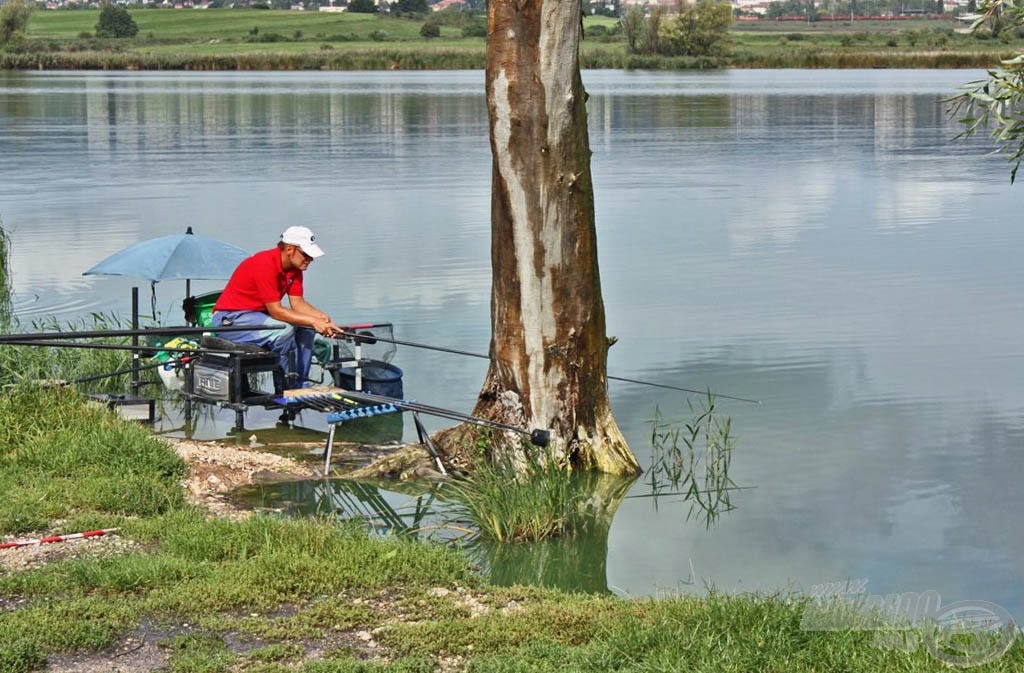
{"x":176,"y":257}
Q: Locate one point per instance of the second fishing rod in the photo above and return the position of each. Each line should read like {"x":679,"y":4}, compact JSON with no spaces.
{"x":368,"y":337}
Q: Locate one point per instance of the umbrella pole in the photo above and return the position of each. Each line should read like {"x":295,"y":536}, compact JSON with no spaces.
{"x":135,"y":342}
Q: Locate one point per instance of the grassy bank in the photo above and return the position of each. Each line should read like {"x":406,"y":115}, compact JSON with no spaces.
{"x":250,"y":39}
{"x":271,"y":595}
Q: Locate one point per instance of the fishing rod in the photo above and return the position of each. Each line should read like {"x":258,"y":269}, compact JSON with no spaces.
{"x":538,"y":436}
{"x":369,"y":338}
{"x":124,"y":347}
{"x":97,"y":377}
{"x":155,"y":331}
{"x":111,"y":347}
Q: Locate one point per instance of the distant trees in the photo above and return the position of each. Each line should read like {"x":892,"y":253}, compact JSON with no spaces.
{"x":430,"y":29}
{"x":700,"y":29}
{"x":362,"y":6}
{"x":810,"y":12}
{"x":115,"y":22}
{"x":632,"y":23}
{"x":697,"y":30}
{"x":794,"y":8}
{"x":410,"y":7}
{"x":14,"y":15}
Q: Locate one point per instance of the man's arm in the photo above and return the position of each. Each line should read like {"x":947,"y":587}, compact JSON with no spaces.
{"x":304,"y":314}
{"x":299,"y":304}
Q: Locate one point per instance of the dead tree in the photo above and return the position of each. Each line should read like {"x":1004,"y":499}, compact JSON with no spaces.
{"x":548,"y":342}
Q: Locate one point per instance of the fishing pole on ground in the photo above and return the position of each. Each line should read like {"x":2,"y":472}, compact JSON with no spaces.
{"x":58,"y":340}
{"x":370,"y":338}
{"x":56,"y":538}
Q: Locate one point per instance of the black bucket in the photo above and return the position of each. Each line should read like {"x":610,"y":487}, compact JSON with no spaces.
{"x":379,"y":378}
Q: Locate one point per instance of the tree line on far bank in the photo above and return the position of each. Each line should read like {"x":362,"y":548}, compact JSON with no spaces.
{"x":699,"y":30}
{"x":114,"y":21}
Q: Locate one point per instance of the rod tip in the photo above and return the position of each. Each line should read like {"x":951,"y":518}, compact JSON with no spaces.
{"x":540,"y":437}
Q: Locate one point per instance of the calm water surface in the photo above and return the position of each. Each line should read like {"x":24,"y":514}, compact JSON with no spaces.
{"x":812,"y":239}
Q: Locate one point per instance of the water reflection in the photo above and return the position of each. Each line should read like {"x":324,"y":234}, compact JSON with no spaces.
{"x":383,"y":511}
{"x":575,"y":562}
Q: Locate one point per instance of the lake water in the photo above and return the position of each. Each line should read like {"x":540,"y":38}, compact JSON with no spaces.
{"x":816,"y":240}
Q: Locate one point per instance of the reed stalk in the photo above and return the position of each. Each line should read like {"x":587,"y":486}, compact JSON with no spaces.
{"x":693,"y":459}
{"x":6,"y":305}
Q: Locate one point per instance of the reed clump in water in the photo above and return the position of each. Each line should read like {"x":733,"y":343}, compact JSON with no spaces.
{"x":537,"y":504}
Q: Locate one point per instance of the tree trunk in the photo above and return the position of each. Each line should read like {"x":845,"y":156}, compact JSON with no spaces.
{"x":548,"y":345}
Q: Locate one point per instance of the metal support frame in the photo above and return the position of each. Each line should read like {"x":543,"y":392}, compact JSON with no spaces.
{"x":427,"y":442}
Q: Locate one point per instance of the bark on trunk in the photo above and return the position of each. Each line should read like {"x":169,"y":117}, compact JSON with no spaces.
{"x":549,"y":347}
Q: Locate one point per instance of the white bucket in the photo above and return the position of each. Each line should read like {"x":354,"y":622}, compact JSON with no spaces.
{"x":172,"y":375}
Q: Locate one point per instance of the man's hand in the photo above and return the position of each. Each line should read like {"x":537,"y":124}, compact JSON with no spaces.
{"x":326,"y":327}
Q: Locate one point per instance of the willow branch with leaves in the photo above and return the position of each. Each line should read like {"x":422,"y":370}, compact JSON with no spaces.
{"x":996,"y":102}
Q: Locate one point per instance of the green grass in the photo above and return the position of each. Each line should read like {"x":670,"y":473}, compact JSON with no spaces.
{"x":60,"y":458}
{"x":190,"y":27}
{"x":259,"y":595}
{"x":248,"y":39}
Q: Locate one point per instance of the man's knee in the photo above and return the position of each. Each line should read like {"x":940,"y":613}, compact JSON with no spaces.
{"x":305,"y":336}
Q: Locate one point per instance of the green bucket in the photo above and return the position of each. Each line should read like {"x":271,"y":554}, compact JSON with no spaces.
{"x":199,"y":309}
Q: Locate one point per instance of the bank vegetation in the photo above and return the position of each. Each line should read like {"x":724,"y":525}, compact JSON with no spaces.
{"x":703,"y":36}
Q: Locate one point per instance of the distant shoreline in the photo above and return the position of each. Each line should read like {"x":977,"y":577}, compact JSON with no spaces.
{"x":379,"y":60}
{"x":281,"y":40}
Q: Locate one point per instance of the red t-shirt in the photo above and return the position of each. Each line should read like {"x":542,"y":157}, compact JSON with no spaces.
{"x":259,"y":280}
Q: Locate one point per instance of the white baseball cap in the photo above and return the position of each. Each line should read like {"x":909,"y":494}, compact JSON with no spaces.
{"x":304,"y":238}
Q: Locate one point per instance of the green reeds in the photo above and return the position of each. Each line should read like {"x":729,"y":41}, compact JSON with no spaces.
{"x":6,"y":306}
{"x":538,"y":504}
{"x":693,"y":459}
{"x":335,"y":59}
{"x":21,"y":364}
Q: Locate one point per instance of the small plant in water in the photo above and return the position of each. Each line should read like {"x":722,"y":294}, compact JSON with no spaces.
{"x":693,"y":460}
{"x":506,"y":506}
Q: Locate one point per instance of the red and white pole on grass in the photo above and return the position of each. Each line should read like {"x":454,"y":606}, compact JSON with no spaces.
{"x":56,"y":538}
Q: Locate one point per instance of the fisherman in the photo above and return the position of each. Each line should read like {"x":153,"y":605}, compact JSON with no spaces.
{"x":254,"y":294}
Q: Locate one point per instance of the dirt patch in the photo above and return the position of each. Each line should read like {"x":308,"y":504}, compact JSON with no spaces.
{"x":132,"y":655}
{"x":216,"y":469}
